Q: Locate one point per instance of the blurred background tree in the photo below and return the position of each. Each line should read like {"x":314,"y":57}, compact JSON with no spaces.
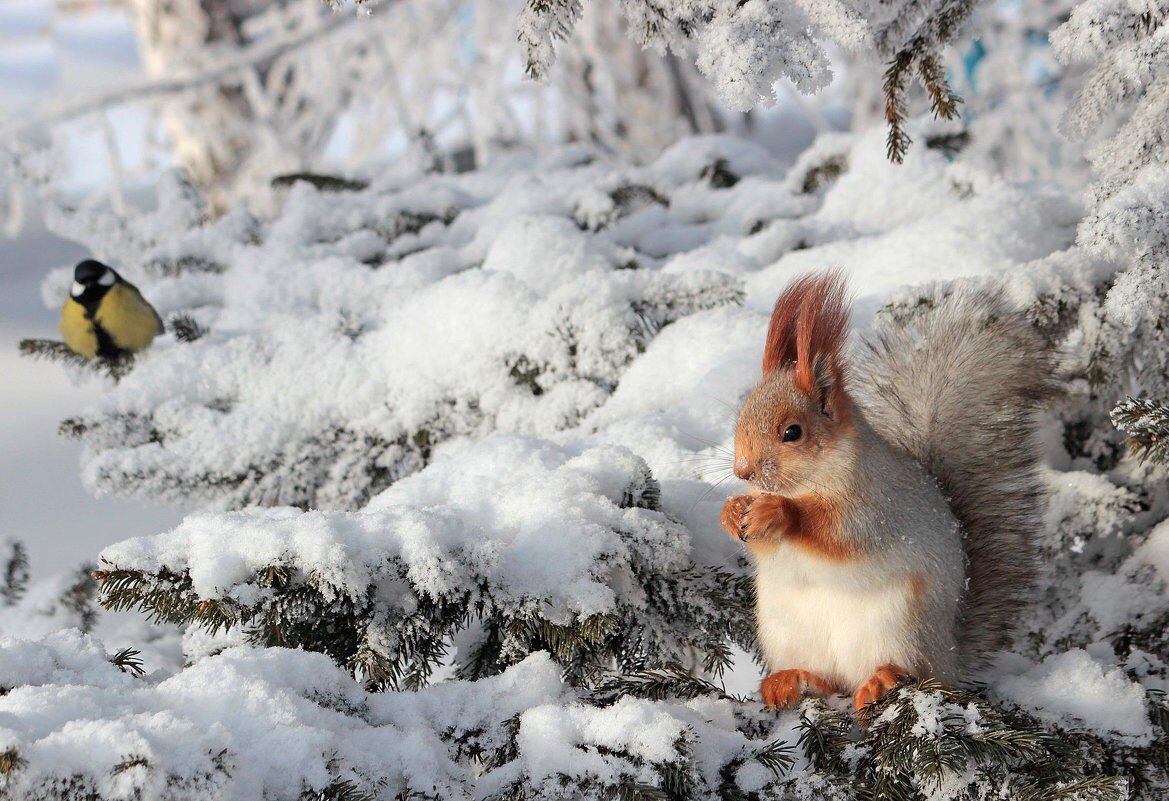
{"x":246,"y":90}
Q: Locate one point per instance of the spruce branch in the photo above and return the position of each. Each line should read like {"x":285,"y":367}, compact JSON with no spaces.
{"x":79,"y":597}
{"x":129,"y":762}
{"x":341,"y":790}
{"x":129,"y":660}
{"x":667,"y":681}
{"x":11,"y":761}
{"x":1092,"y":788}
{"x":943,"y":100}
{"x":541,"y":24}
{"x":824,"y":174}
{"x":73,"y":428}
{"x":775,"y":755}
{"x":1146,"y":424}
{"x":895,"y":86}
{"x":55,"y":351}
{"x":165,"y":597}
{"x":185,"y":328}
{"x":349,"y":789}
{"x":390,"y":648}
{"x":921,"y":738}
{"x":321,"y":182}
{"x":825,"y":732}
{"x":171,"y":267}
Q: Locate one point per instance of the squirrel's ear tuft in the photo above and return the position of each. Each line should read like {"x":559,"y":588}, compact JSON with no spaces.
{"x":809,"y":327}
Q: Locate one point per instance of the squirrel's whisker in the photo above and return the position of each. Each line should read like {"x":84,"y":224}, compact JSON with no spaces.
{"x":717,"y":445}
{"x":709,"y":490}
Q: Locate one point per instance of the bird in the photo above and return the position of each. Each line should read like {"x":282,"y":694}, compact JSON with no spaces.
{"x":105,"y":316}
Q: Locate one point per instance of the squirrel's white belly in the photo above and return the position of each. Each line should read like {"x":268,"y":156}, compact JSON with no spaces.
{"x":837,"y":621}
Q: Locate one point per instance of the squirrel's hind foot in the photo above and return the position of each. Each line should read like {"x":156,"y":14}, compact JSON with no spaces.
{"x":784,"y":687}
{"x":884,"y":679}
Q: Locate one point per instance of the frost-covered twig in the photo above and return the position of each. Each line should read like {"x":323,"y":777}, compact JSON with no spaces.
{"x":54,"y":350}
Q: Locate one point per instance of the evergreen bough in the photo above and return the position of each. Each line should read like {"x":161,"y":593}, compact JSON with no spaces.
{"x":393,"y":633}
{"x":1146,"y":425}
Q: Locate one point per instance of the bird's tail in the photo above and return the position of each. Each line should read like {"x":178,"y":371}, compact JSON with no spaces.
{"x":959,"y":386}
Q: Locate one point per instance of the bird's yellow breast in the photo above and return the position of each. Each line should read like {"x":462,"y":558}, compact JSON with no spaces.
{"x":77,"y":329}
{"x":130,"y":321}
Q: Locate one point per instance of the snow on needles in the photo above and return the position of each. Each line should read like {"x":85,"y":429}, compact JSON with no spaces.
{"x":280,"y":723}
{"x":542,"y":531}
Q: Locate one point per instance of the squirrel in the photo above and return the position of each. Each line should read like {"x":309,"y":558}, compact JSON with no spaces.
{"x":894,"y":502}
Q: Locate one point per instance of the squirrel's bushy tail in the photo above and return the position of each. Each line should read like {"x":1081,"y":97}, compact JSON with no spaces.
{"x":959,"y":385}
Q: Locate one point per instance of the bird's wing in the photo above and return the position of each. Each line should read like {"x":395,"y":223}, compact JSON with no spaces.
{"x":131,"y":322}
{"x":157,"y":319}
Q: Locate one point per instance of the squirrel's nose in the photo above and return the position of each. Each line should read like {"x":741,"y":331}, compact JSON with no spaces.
{"x":744,"y":469}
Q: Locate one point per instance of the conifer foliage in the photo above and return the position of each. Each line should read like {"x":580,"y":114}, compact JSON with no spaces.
{"x":446,"y":433}
{"x":365,"y":311}
{"x":386,"y":591}
{"x":1146,"y":424}
{"x":1121,"y":109}
{"x":744,"y":48}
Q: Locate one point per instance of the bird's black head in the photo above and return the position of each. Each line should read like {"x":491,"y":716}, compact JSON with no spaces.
{"x":91,"y":280}
{"x":92,"y":272}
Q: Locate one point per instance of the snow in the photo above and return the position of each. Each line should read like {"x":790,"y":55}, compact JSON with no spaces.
{"x":275,"y":723}
{"x":404,"y":308}
{"x":63,"y":657}
{"x":1115,"y":598}
{"x":334,"y":357}
{"x":543,"y":529}
{"x":545,"y":252}
{"x":1072,"y":687}
{"x":263,"y":711}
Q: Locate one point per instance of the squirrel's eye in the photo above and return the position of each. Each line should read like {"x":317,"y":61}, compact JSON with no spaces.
{"x":792,"y":433}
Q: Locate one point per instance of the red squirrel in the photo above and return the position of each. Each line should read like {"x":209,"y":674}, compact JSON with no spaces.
{"x":893,"y":502}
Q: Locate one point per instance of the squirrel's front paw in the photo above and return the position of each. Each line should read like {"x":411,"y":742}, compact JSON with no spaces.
{"x":733,"y":515}
{"x":767,"y":517}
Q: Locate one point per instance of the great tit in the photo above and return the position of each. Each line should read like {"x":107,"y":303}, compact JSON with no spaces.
{"x":105,"y":315}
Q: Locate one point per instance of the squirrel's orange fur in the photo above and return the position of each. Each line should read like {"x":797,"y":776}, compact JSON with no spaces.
{"x":811,"y":523}
{"x":809,"y":328}
{"x":884,"y":679}
{"x":785,"y":687}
